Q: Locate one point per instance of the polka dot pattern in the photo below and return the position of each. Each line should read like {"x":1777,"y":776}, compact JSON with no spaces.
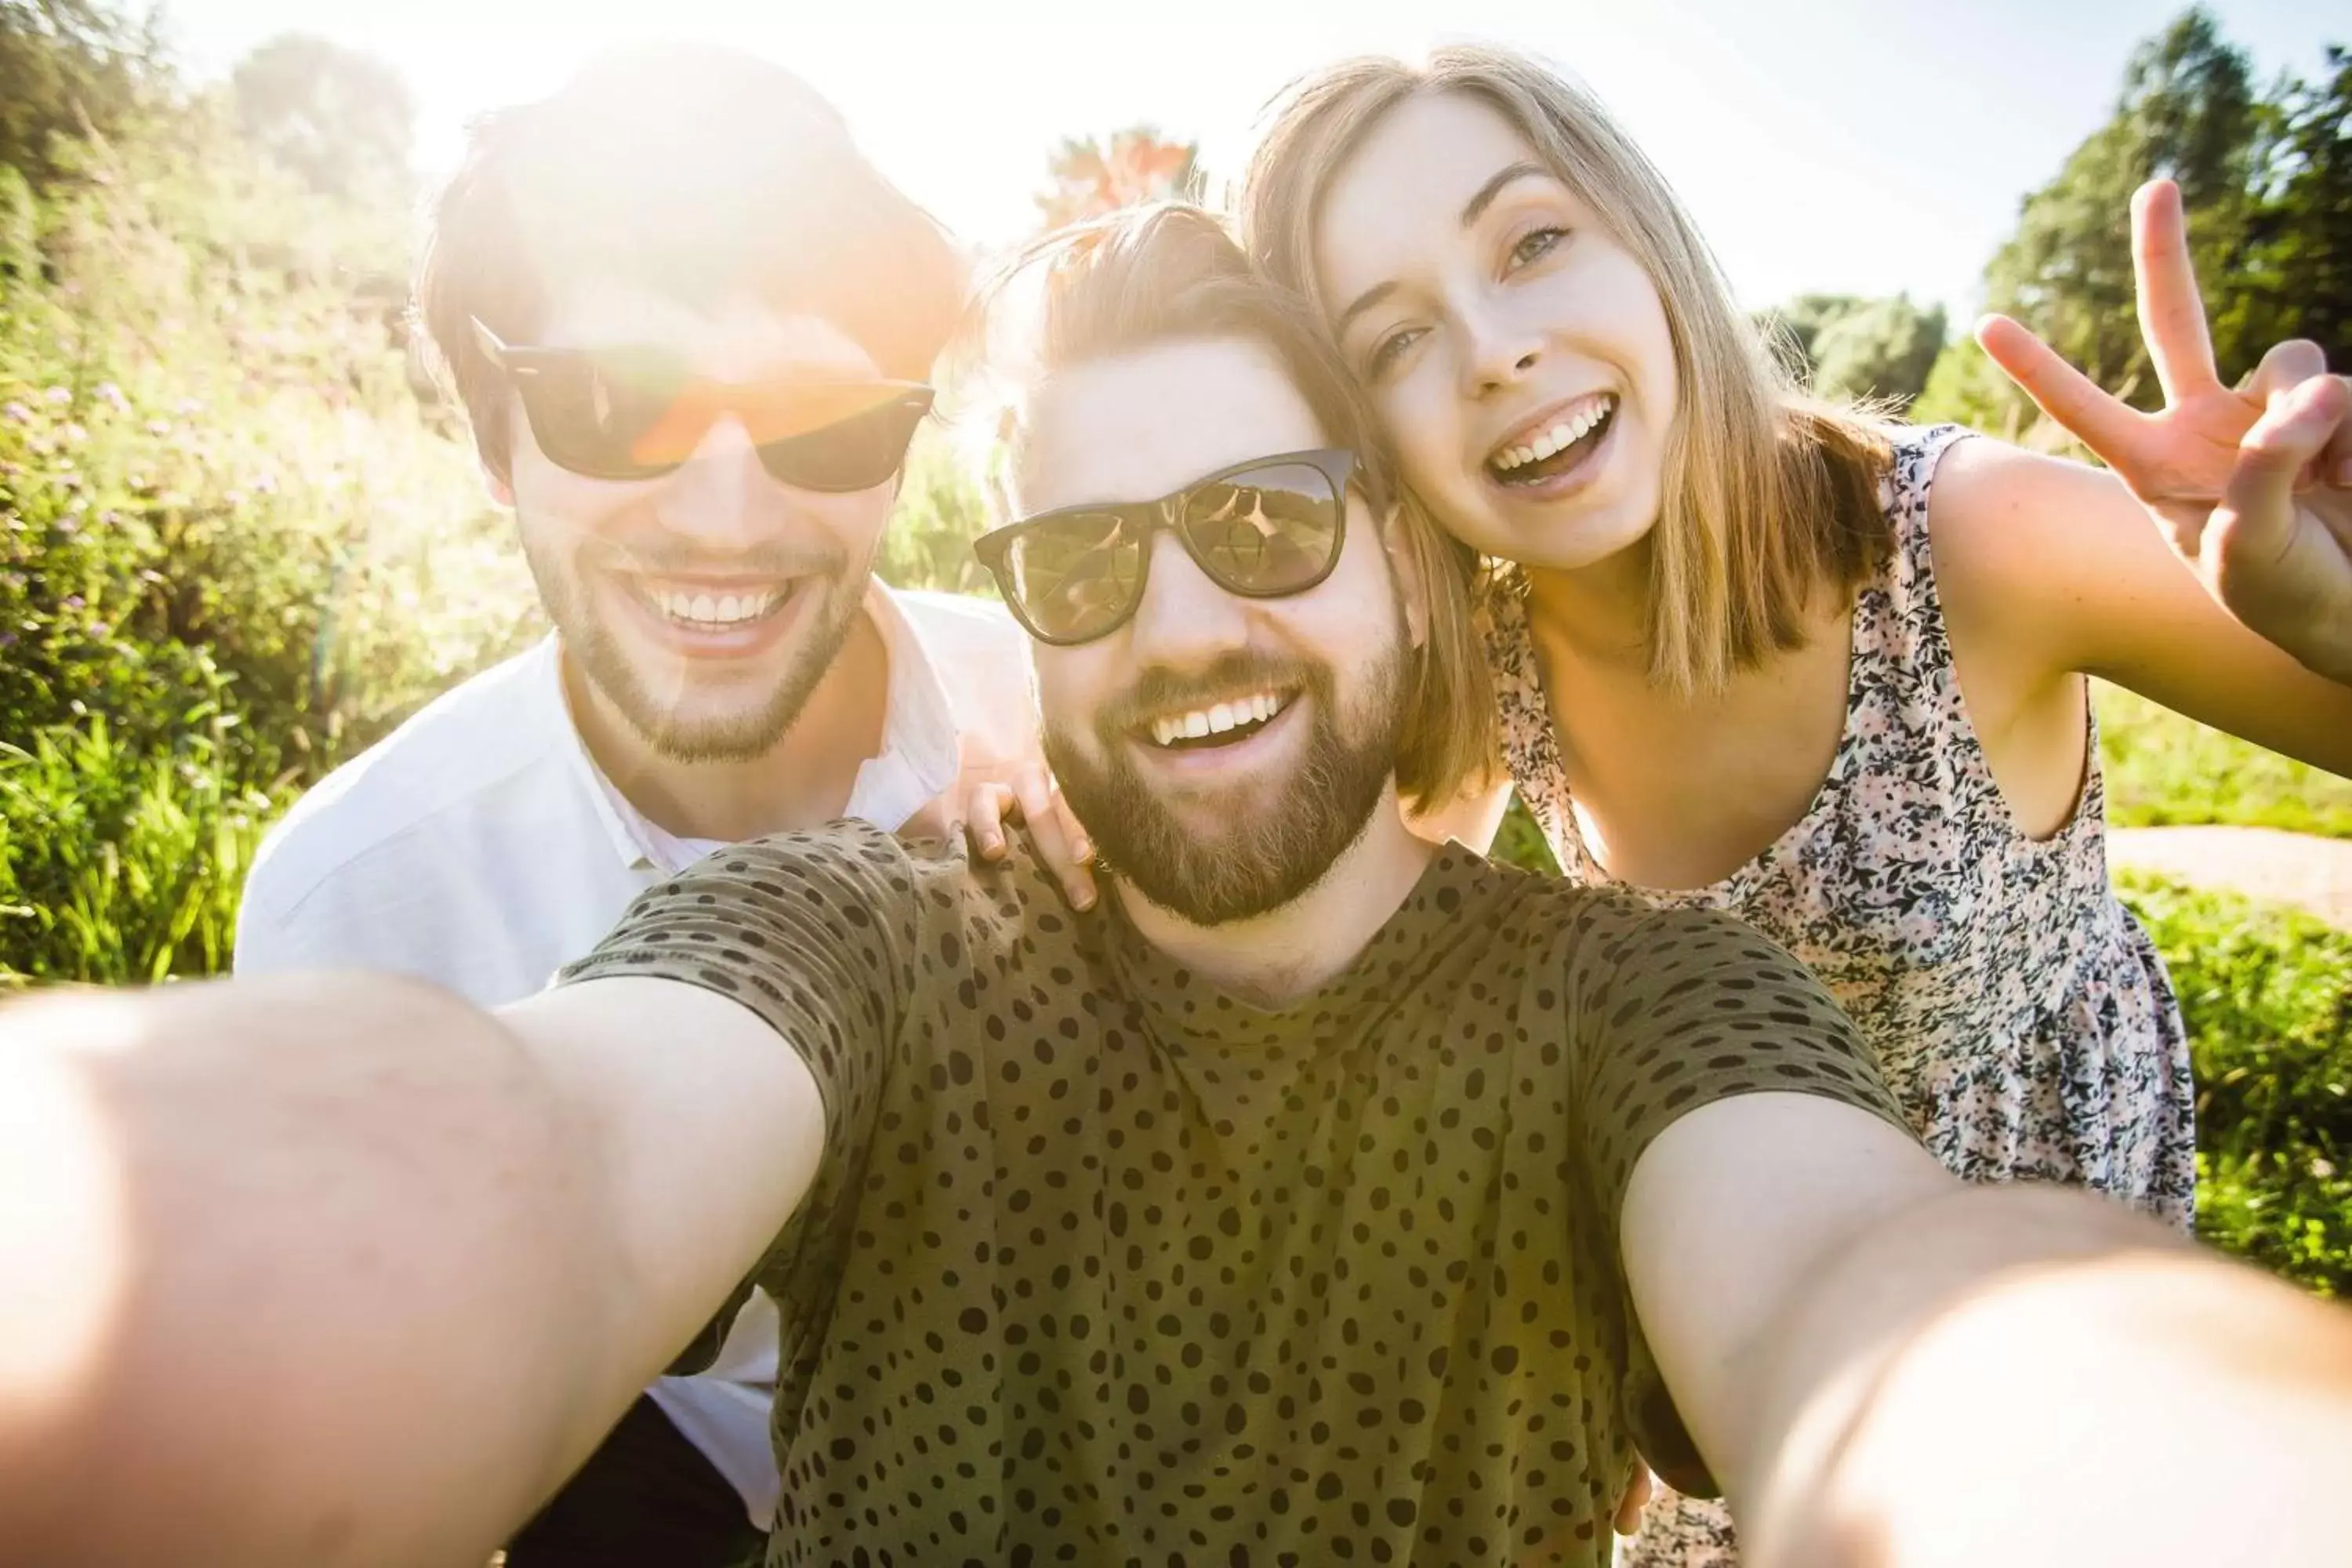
{"x":1106,"y":1266}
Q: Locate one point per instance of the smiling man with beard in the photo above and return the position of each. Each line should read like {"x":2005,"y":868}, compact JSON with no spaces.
{"x":1319,"y":1197}
{"x":690,"y":326}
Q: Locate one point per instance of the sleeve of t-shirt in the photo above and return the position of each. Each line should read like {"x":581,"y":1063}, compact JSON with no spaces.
{"x":816,"y":933}
{"x":1675,"y":1009}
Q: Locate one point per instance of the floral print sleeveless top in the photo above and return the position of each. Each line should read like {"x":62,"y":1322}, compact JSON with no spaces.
{"x":2017,"y":1008}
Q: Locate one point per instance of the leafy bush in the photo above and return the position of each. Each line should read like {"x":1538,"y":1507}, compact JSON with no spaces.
{"x":234,"y":546}
{"x":122,"y":863}
{"x":2267,"y":993}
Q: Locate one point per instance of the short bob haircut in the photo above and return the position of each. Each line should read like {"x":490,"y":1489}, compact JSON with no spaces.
{"x":698,"y":173}
{"x":1771,"y":496}
{"x":1171,"y":272}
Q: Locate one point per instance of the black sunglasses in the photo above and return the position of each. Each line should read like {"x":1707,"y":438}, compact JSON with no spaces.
{"x":1263,"y":528}
{"x":637,"y":413}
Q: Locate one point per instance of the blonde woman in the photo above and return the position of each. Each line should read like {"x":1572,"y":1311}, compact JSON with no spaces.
{"x":1773,"y":657}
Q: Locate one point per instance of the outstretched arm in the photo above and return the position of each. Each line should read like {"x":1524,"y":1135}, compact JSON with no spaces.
{"x":339,"y":1268}
{"x":1883,"y":1367}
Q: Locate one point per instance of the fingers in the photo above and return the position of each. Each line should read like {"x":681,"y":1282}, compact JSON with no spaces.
{"x":990,"y":805}
{"x":2336,"y":457}
{"x":2103,"y":423}
{"x":1637,"y":1497}
{"x":2287,"y":366}
{"x":2171,"y":315}
{"x":1061,"y":843}
{"x":2256,"y":524}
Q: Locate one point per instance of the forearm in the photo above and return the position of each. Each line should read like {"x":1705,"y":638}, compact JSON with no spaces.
{"x":2033,"y":1376}
{"x":298,"y":1270}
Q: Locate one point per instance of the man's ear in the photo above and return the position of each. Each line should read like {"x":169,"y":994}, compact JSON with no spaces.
{"x":1413,"y":586}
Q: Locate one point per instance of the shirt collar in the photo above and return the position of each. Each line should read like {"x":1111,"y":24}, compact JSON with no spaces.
{"x":918,"y":729}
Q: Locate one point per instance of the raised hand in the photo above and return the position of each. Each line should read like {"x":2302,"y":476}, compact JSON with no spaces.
{"x":990,"y":792}
{"x":2252,"y":486}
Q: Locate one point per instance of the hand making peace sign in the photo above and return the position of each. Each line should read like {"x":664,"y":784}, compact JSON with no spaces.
{"x":2253,"y":487}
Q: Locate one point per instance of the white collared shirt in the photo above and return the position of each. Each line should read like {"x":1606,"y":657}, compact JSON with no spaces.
{"x":479,"y":846}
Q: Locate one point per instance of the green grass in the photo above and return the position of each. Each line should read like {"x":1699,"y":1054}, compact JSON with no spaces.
{"x":2164,"y":769}
{"x":2267,"y":994}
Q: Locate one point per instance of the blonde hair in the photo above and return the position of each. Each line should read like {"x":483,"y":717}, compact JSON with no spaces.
{"x":1170,"y":272}
{"x":1769,"y":494}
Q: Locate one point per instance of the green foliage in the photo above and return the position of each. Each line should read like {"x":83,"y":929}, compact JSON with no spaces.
{"x":2267,"y":994}
{"x":1966,"y":388}
{"x":233,"y":548}
{"x":1856,"y":349}
{"x":2163,"y":768}
{"x":2188,"y":110}
{"x":2292,"y":279}
{"x":68,"y":67}
{"x":940,"y":513}
{"x":1519,"y":842}
{"x":339,"y":120}
{"x":2267,"y":183}
{"x":121,"y":862}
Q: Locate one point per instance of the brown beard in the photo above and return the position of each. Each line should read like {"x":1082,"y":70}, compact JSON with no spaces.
{"x":737,"y":738}
{"x":1268,"y":858}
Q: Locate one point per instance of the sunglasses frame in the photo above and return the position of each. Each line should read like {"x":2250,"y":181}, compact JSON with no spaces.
{"x":1336,"y":464}
{"x":518,"y":363}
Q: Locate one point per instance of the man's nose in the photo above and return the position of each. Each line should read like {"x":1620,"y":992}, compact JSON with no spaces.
{"x":1185,"y":620}
{"x":720,"y":494}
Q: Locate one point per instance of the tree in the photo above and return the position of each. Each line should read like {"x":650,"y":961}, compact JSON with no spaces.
{"x":2188,"y":111}
{"x":1091,"y":178}
{"x":1852,"y":349}
{"x":2293,"y":278}
{"x":340,"y":120}
{"x":68,"y":67}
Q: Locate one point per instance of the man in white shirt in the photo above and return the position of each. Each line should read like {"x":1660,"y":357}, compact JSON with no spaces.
{"x":689,"y":324}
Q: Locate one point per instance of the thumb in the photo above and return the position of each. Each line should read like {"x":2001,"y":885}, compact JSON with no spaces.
{"x":2256,"y":524}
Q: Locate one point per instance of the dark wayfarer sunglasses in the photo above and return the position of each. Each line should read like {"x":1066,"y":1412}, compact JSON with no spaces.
{"x":1263,"y":528}
{"x":637,"y":413}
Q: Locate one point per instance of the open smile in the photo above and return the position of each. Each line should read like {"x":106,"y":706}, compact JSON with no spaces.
{"x":1209,"y":738}
{"x":1554,"y":445}
{"x":710,"y":617}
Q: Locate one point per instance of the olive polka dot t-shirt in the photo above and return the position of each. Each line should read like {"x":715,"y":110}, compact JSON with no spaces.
{"x":1102,"y":1265}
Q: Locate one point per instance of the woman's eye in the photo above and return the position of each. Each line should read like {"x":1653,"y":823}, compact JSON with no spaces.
{"x":1384,"y":354}
{"x":1533,"y":244}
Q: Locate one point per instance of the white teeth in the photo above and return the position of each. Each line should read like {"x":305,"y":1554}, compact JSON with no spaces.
{"x":1216,"y":719}
{"x":1556,"y":439}
{"x":709,"y":611}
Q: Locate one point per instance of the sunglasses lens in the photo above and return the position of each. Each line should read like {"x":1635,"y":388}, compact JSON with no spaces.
{"x":594,"y":416}
{"x":855,"y":453}
{"x":1074,"y":576}
{"x":1267,"y":530}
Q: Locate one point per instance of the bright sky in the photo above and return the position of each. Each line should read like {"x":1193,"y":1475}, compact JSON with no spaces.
{"x":1836,"y":145}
